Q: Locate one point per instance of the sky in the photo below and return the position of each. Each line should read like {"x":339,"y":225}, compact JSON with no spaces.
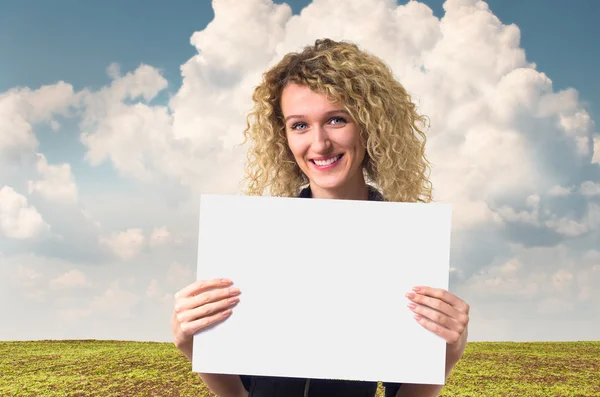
{"x":115,"y":117}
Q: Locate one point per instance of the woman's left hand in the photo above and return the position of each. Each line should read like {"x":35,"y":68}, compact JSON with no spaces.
{"x":443,"y":314}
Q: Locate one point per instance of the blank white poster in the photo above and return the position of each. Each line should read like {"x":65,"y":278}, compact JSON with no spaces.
{"x":323,"y":286}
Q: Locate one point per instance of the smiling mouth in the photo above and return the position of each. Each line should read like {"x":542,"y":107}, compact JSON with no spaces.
{"x":329,"y":161}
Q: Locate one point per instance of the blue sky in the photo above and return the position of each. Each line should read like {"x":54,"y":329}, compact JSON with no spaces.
{"x":43,"y":42}
{"x":101,"y":185}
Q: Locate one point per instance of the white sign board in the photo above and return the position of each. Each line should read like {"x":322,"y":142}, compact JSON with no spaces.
{"x":323,"y":286}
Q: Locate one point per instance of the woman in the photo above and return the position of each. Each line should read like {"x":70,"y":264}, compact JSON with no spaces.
{"x":329,"y":122}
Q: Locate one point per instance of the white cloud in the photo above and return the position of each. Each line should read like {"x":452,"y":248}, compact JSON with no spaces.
{"x":179,"y":276}
{"x":554,"y":305}
{"x":559,"y":191}
{"x":126,"y":244}
{"x":589,"y":188}
{"x":89,"y":217}
{"x":562,"y":279}
{"x":115,"y":301}
{"x":129,"y":243}
{"x":16,"y":134}
{"x":527,"y":216}
{"x":114,"y":71}
{"x":572,"y":228}
{"x":57,"y":183}
{"x":135,"y":138}
{"x":506,"y":280}
{"x":145,"y":83}
{"x":596,"y":155}
{"x":73,"y":314}
{"x":511,"y":268}
{"x":152,"y":289}
{"x":467,"y":214}
{"x":168,"y":299}
{"x":71,"y":279}
{"x":26,"y":277}
{"x":567,"y":227}
{"x":22,"y":108}
{"x":55,"y":125}
{"x":588,"y":278}
{"x":535,"y":282}
{"x":204,"y":119}
{"x":496,"y":126}
{"x":30,"y":282}
{"x":160,"y":236}
{"x":49,"y":100}
{"x":18,"y":219}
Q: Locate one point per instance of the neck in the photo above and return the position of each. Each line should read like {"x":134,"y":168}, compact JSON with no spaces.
{"x":357,"y":190}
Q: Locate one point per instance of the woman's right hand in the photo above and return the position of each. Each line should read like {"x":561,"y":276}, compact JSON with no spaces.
{"x":200,"y":305}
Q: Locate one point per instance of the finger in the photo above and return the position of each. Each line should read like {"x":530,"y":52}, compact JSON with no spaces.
{"x":437,"y":317}
{"x":208,"y":297}
{"x":443,"y":295}
{"x":207,"y":310}
{"x":448,"y":335}
{"x":436,"y":304}
{"x":190,"y":328}
{"x":202,"y":285}
{"x":205,"y":298}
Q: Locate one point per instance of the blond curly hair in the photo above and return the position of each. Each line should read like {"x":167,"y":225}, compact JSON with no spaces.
{"x":390,"y":128}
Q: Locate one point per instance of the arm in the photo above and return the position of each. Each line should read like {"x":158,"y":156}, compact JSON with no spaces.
{"x":424,"y":390}
{"x":447,"y":316}
{"x":222,"y":385}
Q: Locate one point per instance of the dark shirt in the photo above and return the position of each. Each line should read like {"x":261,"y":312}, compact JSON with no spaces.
{"x":374,"y":194}
{"x":271,"y":386}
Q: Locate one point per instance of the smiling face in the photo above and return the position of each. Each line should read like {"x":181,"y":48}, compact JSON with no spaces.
{"x":325,"y":142}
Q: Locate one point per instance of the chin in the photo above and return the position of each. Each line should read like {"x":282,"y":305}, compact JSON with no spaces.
{"x":325,"y":183}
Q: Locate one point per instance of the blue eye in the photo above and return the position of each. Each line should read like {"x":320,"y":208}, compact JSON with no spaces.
{"x":296,"y":125}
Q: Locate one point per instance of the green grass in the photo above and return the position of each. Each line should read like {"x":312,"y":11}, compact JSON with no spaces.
{"x":112,"y":368}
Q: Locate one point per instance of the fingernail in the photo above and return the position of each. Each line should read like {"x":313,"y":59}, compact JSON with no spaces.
{"x":234,"y":290}
{"x":412,"y":306}
{"x":416,"y":289}
{"x":234,"y":300}
{"x":225,"y":281}
{"x":417,"y":317}
{"x":410,"y":295}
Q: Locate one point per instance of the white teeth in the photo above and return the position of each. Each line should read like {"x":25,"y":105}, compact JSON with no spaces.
{"x":327,"y":162}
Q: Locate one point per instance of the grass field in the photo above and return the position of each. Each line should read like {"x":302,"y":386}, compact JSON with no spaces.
{"x":112,"y":368}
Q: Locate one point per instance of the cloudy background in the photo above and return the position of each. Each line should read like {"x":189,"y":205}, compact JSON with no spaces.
{"x":113,"y":120}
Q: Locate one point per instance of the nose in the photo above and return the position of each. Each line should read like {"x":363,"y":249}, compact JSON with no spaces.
{"x":321,"y":142}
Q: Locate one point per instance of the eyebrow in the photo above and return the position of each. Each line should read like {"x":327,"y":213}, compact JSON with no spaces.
{"x":299,"y":116}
